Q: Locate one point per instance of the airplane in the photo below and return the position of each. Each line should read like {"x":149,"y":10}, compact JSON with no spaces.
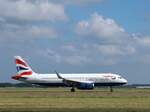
{"x":83,"y":81}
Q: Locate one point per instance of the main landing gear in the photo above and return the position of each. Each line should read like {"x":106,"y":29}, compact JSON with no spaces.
{"x":111,"y":89}
{"x":72,"y":89}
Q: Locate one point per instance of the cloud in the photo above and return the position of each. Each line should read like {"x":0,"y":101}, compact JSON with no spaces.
{"x":29,"y":32}
{"x":27,"y":10}
{"x":79,"y":57}
{"x":145,"y":59}
{"x":114,"y":50}
{"x":109,"y":44}
{"x":142,"y":40}
{"x":57,"y":57}
{"x":69,"y":48}
{"x":29,"y":19}
{"x":78,"y":2}
{"x":111,"y":38}
{"x":42,"y":32}
{"x":101,"y":40}
{"x":105,"y":29}
{"x":2,"y":20}
{"x":105,"y":38}
{"x":50,"y":54}
{"x":77,"y":60}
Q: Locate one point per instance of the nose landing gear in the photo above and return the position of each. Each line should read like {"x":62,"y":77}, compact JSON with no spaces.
{"x":72,"y":89}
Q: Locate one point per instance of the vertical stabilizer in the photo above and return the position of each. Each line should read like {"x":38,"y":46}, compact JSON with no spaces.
{"x":22,"y":67}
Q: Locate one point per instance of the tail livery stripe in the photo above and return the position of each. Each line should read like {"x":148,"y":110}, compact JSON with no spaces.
{"x":20,"y":62}
{"x":19,"y":68}
{"x":26,"y":73}
{"x":18,"y":76}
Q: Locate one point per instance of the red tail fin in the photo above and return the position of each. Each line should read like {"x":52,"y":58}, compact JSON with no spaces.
{"x":23,"y":69}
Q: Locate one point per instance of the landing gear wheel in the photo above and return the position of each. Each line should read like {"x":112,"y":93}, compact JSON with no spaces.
{"x":72,"y":89}
{"x":111,"y":89}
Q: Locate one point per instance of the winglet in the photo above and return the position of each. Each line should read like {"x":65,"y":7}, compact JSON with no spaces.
{"x":58,"y":75}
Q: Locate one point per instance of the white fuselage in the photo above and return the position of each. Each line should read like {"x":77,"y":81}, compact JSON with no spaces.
{"x":101,"y":79}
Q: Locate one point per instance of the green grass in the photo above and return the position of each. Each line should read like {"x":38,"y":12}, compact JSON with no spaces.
{"x":62,"y":100}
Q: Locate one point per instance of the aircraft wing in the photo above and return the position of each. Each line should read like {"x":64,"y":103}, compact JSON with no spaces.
{"x":72,"y":81}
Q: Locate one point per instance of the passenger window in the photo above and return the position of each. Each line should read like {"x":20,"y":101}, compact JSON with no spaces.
{"x":113,"y":77}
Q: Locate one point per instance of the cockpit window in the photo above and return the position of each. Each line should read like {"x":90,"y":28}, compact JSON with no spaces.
{"x":120,"y":77}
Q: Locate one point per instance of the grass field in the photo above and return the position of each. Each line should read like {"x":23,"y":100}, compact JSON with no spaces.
{"x":62,"y":100}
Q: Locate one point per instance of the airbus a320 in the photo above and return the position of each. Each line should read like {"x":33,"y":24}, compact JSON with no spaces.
{"x":84,"y":81}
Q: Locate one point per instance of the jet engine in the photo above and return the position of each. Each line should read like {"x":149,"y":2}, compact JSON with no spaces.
{"x":86,"y":86}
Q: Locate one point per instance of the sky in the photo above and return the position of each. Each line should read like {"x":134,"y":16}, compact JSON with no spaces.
{"x":76,"y":36}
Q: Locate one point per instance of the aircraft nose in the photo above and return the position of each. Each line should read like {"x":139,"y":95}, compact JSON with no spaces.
{"x":125,"y":81}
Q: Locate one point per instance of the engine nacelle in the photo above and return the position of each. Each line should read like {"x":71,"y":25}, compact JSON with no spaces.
{"x":86,"y":86}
